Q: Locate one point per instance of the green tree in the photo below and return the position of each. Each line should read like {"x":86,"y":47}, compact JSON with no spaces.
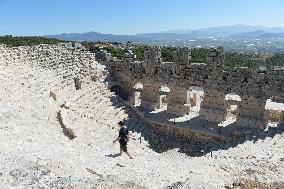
{"x":11,"y":41}
{"x":276,"y":60}
{"x":199,"y":55}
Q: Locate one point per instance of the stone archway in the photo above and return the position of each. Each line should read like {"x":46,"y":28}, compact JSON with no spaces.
{"x":232,"y":107}
{"x":163,"y":97}
{"x":195,"y":96}
{"x":137,"y":92}
{"x":117,"y":89}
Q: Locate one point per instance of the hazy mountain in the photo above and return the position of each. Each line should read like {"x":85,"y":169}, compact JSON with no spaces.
{"x":228,"y":30}
{"x":93,"y":36}
{"x":235,"y":32}
{"x":258,"y":34}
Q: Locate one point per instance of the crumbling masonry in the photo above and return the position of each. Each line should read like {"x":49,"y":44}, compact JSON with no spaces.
{"x":254,"y":86}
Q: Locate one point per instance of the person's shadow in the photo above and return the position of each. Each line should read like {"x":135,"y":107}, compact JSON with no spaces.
{"x":113,"y":155}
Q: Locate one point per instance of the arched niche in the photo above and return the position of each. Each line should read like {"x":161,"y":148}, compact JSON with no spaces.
{"x":163,"y":97}
{"x":195,"y":96}
{"x":232,"y":103}
{"x":137,"y":93}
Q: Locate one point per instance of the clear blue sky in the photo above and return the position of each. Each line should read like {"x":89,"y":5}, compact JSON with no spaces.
{"x":39,"y":17}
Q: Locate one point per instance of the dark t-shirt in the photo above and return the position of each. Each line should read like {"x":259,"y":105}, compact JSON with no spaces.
{"x":123,"y":133}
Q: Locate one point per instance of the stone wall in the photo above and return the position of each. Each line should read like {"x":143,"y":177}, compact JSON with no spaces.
{"x":254,"y":86}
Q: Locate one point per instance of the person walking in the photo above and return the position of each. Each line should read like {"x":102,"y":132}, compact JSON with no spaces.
{"x":123,"y":138}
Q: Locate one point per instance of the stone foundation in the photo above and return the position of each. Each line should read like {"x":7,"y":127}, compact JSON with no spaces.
{"x":184,"y":133}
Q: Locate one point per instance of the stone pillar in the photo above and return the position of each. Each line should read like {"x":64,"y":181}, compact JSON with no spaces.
{"x":178,"y":102}
{"x":281,"y":121}
{"x":212,"y":106}
{"x":252,"y":112}
{"x":227,"y":104}
{"x":238,"y":112}
{"x":153,"y":56}
{"x":159,"y":104}
{"x":216,"y":56}
{"x":182,"y":56}
{"x":266,"y":117}
{"x":194,"y":99}
{"x":135,"y":96}
{"x":149,"y":97}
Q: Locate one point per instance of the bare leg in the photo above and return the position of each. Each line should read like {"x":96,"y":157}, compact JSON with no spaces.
{"x":120,"y":153}
{"x":129,"y":155}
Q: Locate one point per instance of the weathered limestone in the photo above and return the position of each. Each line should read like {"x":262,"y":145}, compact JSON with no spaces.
{"x":281,"y":121}
{"x":253,"y":86}
{"x":182,"y":56}
{"x":153,"y":56}
{"x":195,"y":97}
{"x":149,"y":97}
{"x":177,"y":101}
{"x":162,"y":103}
{"x":212,"y":106}
{"x":216,"y":56}
{"x":252,"y":112}
{"x":35,"y":152}
{"x":51,"y":73}
{"x":232,"y":106}
{"x":227,"y":105}
{"x":136,"y":97}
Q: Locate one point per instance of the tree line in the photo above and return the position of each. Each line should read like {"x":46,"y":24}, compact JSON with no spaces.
{"x":199,"y":55}
{"x":11,"y":41}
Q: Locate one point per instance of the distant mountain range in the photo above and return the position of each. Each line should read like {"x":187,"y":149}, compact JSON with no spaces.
{"x":228,"y":32}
